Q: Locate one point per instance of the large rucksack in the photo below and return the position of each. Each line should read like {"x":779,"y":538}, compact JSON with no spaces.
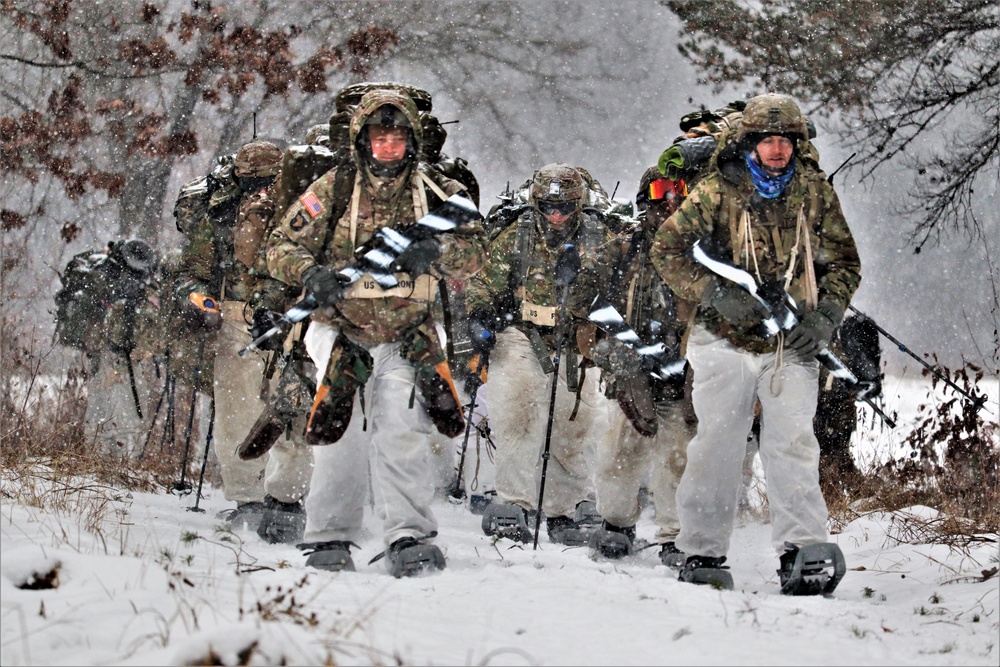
{"x":199,"y":195}
{"x":81,"y":299}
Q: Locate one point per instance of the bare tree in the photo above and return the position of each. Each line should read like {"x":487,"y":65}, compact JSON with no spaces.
{"x":917,"y":82}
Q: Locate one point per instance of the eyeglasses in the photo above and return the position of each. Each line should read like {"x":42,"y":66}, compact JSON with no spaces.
{"x":664,"y":187}
{"x":560,"y":207}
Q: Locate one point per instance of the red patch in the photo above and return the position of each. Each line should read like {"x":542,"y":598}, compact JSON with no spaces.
{"x":311,"y":204}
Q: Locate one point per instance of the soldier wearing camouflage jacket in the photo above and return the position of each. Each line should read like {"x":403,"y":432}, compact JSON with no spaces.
{"x":221,"y":260}
{"x":775,"y":216}
{"x":391,"y":334}
{"x":515,"y":302}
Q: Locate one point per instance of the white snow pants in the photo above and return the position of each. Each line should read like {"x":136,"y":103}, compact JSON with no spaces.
{"x":519,"y":394}
{"x":623,"y":458}
{"x":285,"y":470}
{"x":111,"y":417}
{"x":727,"y":382}
{"x":396,"y":439}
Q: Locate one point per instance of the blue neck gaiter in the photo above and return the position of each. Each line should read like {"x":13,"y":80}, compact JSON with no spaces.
{"x":767,"y":185}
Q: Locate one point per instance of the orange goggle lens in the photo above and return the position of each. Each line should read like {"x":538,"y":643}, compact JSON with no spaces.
{"x":664,"y":187}
{"x":203,"y":301}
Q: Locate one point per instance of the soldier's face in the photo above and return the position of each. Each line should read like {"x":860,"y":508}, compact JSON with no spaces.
{"x":388,"y":143}
{"x":775,"y":153}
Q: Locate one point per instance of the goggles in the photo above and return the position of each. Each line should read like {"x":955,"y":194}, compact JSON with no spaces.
{"x":550,"y":207}
{"x":665,"y":188}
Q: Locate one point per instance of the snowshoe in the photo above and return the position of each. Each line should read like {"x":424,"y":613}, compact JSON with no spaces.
{"x":507,"y":520}
{"x":613,"y":542}
{"x":333,"y":556}
{"x":245,"y":516}
{"x":564,"y":530}
{"x":586,"y":515}
{"x":814,"y":569}
{"x":706,"y":571}
{"x":409,"y":557}
{"x":281,"y":523}
{"x":671,"y":556}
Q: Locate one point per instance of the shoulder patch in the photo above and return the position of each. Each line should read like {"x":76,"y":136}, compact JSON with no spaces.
{"x":311,"y":204}
{"x":298,"y":222}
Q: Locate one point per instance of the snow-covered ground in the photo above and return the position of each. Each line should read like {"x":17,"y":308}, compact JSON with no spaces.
{"x":143,"y":581}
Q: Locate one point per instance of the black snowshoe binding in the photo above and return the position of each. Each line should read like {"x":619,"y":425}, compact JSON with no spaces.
{"x":814,"y":569}
{"x":478,"y":502}
{"x":409,"y":557}
{"x":707,"y":571}
{"x":564,"y":530}
{"x":507,"y":520}
{"x":613,"y":542}
{"x":333,"y":556}
{"x":281,"y":523}
{"x":671,"y":556}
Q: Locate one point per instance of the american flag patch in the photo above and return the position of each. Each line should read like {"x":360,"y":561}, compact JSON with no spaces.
{"x":311,"y":204}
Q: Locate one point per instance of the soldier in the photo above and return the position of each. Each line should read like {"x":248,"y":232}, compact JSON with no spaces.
{"x":777,"y":216}
{"x":383,"y":340}
{"x":513,"y":304}
{"x":108,"y":308}
{"x":219,"y":262}
{"x":653,"y":420}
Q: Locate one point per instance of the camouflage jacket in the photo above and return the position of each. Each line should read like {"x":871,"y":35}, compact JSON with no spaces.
{"x":308,"y":236}
{"x":716,"y":207}
{"x":211,"y":265}
{"x":522,"y":279}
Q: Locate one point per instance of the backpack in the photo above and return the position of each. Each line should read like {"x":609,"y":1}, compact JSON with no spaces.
{"x":82,"y":298}
{"x":196,"y":197}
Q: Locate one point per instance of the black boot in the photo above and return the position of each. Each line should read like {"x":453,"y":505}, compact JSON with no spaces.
{"x":707,"y":570}
{"x":333,"y":556}
{"x":613,"y":542}
{"x":246,"y":515}
{"x":409,"y":557}
{"x":671,"y":556}
{"x":282,"y":523}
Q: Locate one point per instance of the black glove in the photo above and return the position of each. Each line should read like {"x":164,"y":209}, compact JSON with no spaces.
{"x":482,"y":329}
{"x":814,"y":330}
{"x":419,"y":257}
{"x":324,"y":284}
{"x":735,"y":304}
{"x":263,"y":321}
{"x":200,"y":313}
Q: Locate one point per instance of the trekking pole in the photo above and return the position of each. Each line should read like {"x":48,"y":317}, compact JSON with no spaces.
{"x":456,"y":493}
{"x":131,"y":381}
{"x":204,"y":460}
{"x":977,"y":401}
{"x":183,"y":487}
{"x":156,"y":414}
{"x":567,"y":268}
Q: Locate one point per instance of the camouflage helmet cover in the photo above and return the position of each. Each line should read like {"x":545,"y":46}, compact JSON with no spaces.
{"x":386,"y":107}
{"x":772,"y":113}
{"x":317,"y":131}
{"x":136,"y":255}
{"x":339,"y":128}
{"x":434,"y":135}
{"x":557,"y":182}
{"x":258,"y":158}
{"x":350,"y":96}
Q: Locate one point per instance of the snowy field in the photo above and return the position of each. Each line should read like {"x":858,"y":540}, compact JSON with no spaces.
{"x":143,"y":581}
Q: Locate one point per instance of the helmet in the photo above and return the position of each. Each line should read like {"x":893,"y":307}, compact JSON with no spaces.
{"x":772,"y":113}
{"x":557,"y":182}
{"x":136,"y":255}
{"x":350,"y":96}
{"x":388,"y":115}
{"x":385,"y":108}
{"x":316,"y":132}
{"x":258,"y":159}
{"x":434,"y":136}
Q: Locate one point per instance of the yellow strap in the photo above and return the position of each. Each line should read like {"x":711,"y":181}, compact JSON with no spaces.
{"x":355,"y":205}
{"x":435,"y":188}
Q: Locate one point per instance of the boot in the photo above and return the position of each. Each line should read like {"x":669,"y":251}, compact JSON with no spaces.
{"x":409,"y":557}
{"x":564,"y":530}
{"x":671,"y":556}
{"x":333,"y":556}
{"x":707,"y":570}
{"x":282,"y":522}
{"x":613,"y":542}
{"x":245,"y":516}
{"x":507,"y":520}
